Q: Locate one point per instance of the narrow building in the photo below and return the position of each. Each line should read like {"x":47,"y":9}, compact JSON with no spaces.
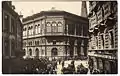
{"x":11,"y":36}
{"x":55,"y":34}
{"x":103,"y":36}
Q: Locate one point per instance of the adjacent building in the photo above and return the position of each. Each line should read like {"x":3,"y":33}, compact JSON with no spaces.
{"x":103,"y":36}
{"x":11,"y":36}
{"x":55,"y":34}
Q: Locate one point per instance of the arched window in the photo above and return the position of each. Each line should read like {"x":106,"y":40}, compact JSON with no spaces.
{"x":39,"y":28}
{"x":111,"y":38}
{"x":60,"y":27}
{"x":30,"y":52}
{"x":29,"y":31}
{"x":24,"y":32}
{"x":36,"y":30}
{"x":48,"y":27}
{"x":37,"y":52}
{"x":54,"y":52}
{"x":54,"y":27}
{"x":96,"y":39}
{"x":102,"y":40}
{"x":37,"y":42}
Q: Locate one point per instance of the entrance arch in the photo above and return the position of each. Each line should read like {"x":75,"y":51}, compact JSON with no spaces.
{"x":54,"y":52}
{"x":30,"y":52}
{"x":37,"y":52}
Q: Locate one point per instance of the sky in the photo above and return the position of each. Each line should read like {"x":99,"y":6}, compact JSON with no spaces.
{"x":29,"y":8}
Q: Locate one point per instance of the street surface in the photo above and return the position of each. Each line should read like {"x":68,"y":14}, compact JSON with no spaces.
{"x":77,"y":62}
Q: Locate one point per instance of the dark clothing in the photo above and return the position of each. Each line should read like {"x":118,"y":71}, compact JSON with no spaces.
{"x":63,"y":64}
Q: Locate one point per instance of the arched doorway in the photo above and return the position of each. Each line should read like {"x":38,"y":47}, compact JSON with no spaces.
{"x":54,"y":52}
{"x":37,"y":52}
{"x":30,"y":52}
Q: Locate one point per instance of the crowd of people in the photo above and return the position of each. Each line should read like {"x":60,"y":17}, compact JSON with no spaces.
{"x":39,"y":66}
{"x":46,"y":66}
{"x":72,"y":70}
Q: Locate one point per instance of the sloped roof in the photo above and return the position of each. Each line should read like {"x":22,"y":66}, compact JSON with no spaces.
{"x":52,"y":13}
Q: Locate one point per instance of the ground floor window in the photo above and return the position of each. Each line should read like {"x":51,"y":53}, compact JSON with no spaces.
{"x":30,"y":52}
{"x":37,"y":52}
{"x":54,"y":52}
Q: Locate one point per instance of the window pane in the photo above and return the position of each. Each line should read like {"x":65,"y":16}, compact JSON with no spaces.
{"x":54,"y":27}
{"x":6,"y":22}
{"x":39,"y":29}
{"x":36,"y":30}
{"x":60,"y":29}
{"x":12,"y":25}
{"x":48,"y":27}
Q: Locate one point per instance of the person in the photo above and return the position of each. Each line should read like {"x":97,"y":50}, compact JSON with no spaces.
{"x":95,"y":71}
{"x":59,"y":61}
{"x":63,"y":64}
{"x":56,"y":64}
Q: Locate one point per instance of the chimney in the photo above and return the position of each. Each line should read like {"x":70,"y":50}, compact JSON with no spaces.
{"x":83,"y":9}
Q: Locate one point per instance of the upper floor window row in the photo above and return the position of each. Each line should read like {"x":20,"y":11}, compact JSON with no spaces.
{"x":54,"y":27}
{"x":54,"y":24}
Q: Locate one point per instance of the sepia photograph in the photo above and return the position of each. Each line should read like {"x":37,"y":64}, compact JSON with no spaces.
{"x":59,"y":37}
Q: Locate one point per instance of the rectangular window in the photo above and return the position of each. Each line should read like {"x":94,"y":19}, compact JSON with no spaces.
{"x":32,"y":31}
{"x":6,"y":22}
{"x":36,"y":29}
{"x":12,"y":25}
{"x":102,"y":41}
{"x":12,"y":48}
{"x":111,"y":39}
{"x":6,"y":46}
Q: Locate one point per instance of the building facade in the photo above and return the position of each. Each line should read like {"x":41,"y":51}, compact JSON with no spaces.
{"x":103,"y":36}
{"x":55,"y":34}
{"x":11,"y":35}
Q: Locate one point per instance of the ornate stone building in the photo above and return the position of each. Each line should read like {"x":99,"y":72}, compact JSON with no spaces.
{"x":55,"y":34}
{"x":103,"y":33}
{"x":11,"y":36}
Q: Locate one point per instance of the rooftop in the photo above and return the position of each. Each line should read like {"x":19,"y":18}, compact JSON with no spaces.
{"x":52,"y":12}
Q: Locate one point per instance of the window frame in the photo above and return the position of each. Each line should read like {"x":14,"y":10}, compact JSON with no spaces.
{"x":49,"y":27}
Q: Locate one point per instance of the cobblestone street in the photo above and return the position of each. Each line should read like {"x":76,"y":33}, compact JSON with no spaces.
{"x":78,"y":62}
